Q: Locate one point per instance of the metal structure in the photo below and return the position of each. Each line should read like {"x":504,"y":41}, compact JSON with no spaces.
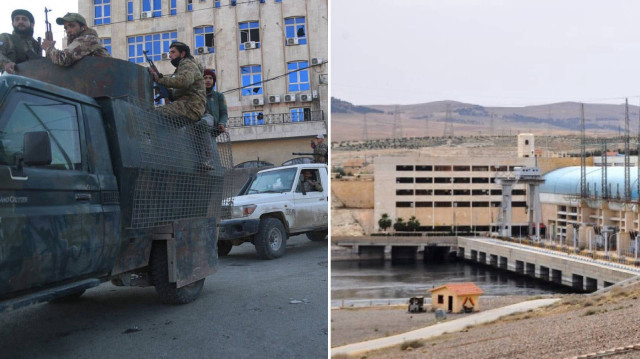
{"x":530,"y":176}
{"x":397,"y":123}
{"x":448,"y":123}
{"x":365,"y":130}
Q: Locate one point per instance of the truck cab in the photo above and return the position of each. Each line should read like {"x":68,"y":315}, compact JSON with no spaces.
{"x":276,"y":204}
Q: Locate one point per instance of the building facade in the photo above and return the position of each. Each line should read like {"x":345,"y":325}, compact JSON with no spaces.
{"x":270,"y":58}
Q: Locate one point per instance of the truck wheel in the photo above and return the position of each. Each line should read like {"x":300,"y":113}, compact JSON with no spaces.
{"x":317,"y":236}
{"x":224,"y":247}
{"x":271,"y":239}
{"x":167,"y":291}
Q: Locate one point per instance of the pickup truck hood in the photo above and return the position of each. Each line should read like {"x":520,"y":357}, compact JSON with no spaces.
{"x":259,"y":198}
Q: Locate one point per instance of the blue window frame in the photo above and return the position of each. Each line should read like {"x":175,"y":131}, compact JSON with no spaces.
{"x":155,"y":6}
{"x":249,"y":31}
{"x":278,"y":0}
{"x":102,"y":12}
{"x":204,"y":38}
{"x":232,"y":2}
{"x":173,"y":8}
{"x":106,"y":42}
{"x":298,"y":80}
{"x":251,"y":80}
{"x":217,"y":3}
{"x":295,"y":28}
{"x":253,"y":118}
{"x":300,"y":114}
{"x":189,"y":5}
{"x":130,"y":11}
{"x":156,"y":44}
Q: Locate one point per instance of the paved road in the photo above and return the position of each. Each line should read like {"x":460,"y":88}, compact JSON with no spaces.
{"x":244,"y":311}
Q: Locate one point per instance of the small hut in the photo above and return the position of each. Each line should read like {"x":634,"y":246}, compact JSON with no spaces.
{"x":456,"y":297}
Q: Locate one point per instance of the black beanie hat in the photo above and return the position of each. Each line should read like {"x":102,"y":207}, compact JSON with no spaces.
{"x":22,"y":12}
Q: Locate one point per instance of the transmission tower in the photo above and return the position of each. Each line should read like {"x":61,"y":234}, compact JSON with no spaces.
{"x":448,"y":123}
{"x":426,"y":127}
{"x":603,"y":172}
{"x":491,"y":128}
{"x":627,"y":165}
{"x":397,"y":123}
{"x":365,"y":130}
{"x":583,"y":160}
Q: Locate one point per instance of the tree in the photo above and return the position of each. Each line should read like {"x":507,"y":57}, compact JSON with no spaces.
{"x":400,"y":225}
{"x":413,"y":224}
{"x":384,"y":222}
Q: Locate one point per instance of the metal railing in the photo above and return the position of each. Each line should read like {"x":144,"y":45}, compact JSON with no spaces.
{"x":275,"y":118}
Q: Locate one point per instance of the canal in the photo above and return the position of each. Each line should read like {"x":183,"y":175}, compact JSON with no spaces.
{"x":405,"y":279}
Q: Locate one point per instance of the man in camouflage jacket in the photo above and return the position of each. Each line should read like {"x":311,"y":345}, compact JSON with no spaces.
{"x":187,"y":83}
{"x":83,"y":41}
{"x":20,"y":46}
{"x":320,"y":150}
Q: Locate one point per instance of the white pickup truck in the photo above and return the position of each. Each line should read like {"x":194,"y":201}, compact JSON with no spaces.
{"x":276,"y":204}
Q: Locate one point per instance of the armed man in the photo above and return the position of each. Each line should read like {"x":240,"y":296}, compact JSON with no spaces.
{"x":187,"y":82}
{"x":20,"y":46}
{"x":319,"y":150}
{"x":82,"y":41}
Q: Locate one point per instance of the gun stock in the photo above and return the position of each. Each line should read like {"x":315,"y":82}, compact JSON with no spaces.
{"x":48,"y":33}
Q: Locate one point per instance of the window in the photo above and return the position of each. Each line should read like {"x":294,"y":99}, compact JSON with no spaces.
{"x":298,"y":76}
{"x":217,"y":3}
{"x":106,"y":42}
{"x":440,"y":299}
{"x":404,"y":168}
{"x":155,"y":6}
{"x":156,"y":44}
{"x":424,"y":168}
{"x":253,"y":118}
{"x":173,"y":8}
{"x":300,"y":114}
{"x":130,"y":11}
{"x":404,"y":192}
{"x":249,"y":32}
{"x":295,"y":28}
{"x":204,"y":38}
{"x":404,"y":179}
{"x":251,"y":80}
{"x":278,"y":0}
{"x":102,"y":12}
{"x":189,"y":5}
{"x":298,"y":161}
{"x":404,"y":204}
{"x":424,"y":180}
{"x":424,"y":192}
{"x":29,"y":113}
{"x":315,"y":177}
{"x":253,"y":164}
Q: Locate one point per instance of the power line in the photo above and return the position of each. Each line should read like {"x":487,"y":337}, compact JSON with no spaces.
{"x":274,"y":78}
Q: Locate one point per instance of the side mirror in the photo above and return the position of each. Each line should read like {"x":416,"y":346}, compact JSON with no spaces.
{"x":37,"y":148}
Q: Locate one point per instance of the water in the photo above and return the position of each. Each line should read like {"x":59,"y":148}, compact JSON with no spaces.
{"x":387,"y":280}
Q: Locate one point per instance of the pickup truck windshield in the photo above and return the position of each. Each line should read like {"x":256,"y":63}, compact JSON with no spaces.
{"x":273,"y":181}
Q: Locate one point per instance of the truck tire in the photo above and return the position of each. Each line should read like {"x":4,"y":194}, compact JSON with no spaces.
{"x":317,"y":236}
{"x":271,"y":239}
{"x":224,"y":247}
{"x":167,"y":291}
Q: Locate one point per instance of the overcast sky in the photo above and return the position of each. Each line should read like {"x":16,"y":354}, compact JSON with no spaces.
{"x":486,"y":52}
{"x":36,"y":7}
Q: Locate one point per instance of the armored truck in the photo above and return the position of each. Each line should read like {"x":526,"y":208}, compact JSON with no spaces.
{"x":96,"y":186}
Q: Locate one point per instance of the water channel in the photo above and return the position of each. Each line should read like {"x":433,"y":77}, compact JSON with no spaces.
{"x":404,"y":279}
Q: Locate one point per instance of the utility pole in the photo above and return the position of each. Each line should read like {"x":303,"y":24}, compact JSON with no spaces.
{"x":583,"y":160}
{"x":397,"y":123}
{"x":627,"y":148}
{"x":448,"y":123}
{"x":365,"y":130}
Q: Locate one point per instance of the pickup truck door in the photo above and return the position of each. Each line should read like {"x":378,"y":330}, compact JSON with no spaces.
{"x":50,"y":227}
{"x":310,"y":208}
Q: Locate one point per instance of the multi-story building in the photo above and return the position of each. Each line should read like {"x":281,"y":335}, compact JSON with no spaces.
{"x":270,"y":58}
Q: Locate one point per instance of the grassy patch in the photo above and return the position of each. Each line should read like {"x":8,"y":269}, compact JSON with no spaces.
{"x":414,"y":344}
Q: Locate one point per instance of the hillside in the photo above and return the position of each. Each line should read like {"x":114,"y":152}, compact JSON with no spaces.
{"x":429,"y":119}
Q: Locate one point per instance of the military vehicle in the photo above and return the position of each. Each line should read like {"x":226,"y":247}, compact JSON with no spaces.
{"x":95,"y":186}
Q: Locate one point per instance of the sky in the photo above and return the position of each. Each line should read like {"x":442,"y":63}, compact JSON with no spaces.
{"x":36,"y":7}
{"x":485,"y":52}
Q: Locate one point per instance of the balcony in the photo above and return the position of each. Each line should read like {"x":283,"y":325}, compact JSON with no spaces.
{"x":274,"y":126}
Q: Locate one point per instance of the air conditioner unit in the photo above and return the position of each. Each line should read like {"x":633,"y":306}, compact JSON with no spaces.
{"x":165,"y":56}
{"x":259,"y":101}
{"x":146,"y":14}
{"x":202,"y":50}
{"x":290,"y":97}
{"x":316,"y":61}
{"x":324,"y":79}
{"x":305,"y":97}
{"x":274,"y":99}
{"x":250,"y":45}
{"x":292,"y":41}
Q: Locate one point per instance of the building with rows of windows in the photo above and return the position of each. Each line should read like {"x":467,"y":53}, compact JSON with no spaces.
{"x":270,"y":58}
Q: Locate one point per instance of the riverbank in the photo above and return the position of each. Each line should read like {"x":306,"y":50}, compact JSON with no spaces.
{"x":578,"y":324}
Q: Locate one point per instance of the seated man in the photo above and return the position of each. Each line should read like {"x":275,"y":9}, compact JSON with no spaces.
{"x":189,"y":99}
{"x":83,"y":41}
{"x":308,"y":183}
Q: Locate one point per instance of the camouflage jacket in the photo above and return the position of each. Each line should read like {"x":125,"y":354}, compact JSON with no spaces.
{"x":87,"y":43}
{"x":188,"y":84}
{"x":308,"y":187}
{"x":9,"y":52}
{"x":320,"y":153}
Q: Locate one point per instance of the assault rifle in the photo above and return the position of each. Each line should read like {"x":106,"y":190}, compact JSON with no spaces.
{"x":326,"y":155}
{"x":48,"y":34}
{"x":162,"y":91}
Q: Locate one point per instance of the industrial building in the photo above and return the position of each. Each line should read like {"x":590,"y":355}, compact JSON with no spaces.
{"x":270,"y":58}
